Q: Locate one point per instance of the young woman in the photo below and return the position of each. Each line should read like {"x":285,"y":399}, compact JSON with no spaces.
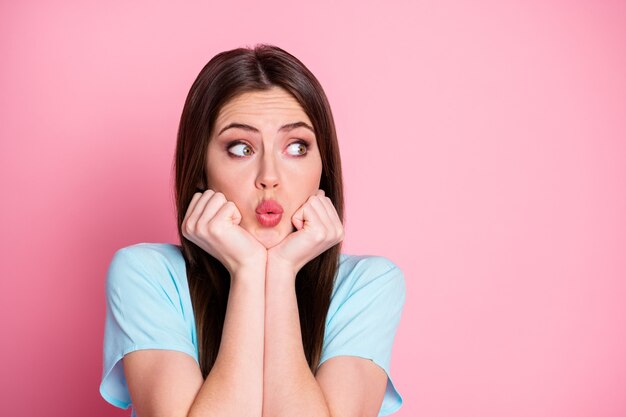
{"x":256,"y":312}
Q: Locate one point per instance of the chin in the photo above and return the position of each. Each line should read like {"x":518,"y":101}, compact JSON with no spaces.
{"x":269,"y":237}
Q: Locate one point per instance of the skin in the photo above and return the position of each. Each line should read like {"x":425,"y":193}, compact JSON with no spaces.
{"x":274,"y":170}
{"x":261,"y":369}
{"x":245,"y":167}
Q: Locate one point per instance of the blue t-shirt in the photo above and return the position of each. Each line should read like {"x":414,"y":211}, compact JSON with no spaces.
{"x":148,"y":306}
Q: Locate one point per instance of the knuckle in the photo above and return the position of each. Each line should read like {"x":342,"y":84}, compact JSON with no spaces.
{"x":213,"y":229}
{"x":201,"y":232}
{"x":319,"y":236}
{"x":217,"y":233}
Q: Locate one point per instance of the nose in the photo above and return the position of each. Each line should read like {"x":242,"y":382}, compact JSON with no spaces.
{"x":268,"y":174}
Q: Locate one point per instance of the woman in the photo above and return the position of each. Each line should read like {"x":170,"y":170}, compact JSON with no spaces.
{"x":256,"y":312}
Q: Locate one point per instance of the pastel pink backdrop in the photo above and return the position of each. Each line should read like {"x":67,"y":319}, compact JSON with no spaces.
{"x":484,"y":152}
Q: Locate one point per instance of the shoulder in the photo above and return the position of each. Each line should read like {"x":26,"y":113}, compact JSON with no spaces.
{"x":159,"y":252}
{"x":148,"y":255}
{"x":364,"y":269}
{"x":367,"y":274}
{"x":147,"y":263}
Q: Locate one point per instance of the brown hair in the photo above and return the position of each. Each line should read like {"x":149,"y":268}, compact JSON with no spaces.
{"x":227,"y":75}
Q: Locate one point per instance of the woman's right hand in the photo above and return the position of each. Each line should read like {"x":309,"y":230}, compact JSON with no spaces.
{"x":212,"y":223}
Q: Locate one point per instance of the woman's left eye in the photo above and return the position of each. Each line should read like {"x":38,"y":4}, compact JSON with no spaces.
{"x":297,"y":149}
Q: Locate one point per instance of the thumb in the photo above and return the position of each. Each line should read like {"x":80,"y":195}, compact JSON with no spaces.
{"x":229,"y":212}
{"x":298,"y":219}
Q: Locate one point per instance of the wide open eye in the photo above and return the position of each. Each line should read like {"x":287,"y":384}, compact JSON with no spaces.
{"x":240,"y":149}
{"x":297,"y":149}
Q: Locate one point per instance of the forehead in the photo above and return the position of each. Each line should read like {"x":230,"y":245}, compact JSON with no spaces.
{"x":264,"y":106}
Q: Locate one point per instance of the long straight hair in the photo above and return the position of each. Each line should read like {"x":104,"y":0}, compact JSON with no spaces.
{"x":225,"y":76}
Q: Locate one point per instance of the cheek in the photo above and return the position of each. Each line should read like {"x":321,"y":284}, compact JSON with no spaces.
{"x":316,"y":175}
{"x":221,"y":176}
{"x":223,"y":181}
{"x":305,"y":182}
{"x":231,"y":189}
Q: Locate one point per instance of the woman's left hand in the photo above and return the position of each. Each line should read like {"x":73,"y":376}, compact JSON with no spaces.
{"x":318,"y":228}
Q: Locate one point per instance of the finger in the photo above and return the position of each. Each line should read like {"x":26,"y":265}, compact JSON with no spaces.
{"x":330,"y":208}
{"x":228,"y":212}
{"x":186,"y":226}
{"x":322,"y":212}
{"x":298,"y":217}
{"x":201,"y":203}
{"x":197,"y":210}
{"x":328,"y":205}
{"x":215,"y":202}
{"x":192,"y":204}
{"x":336,"y":225}
{"x":312,"y":213}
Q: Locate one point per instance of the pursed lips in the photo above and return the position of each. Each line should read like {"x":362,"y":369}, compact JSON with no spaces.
{"x":269,"y":213}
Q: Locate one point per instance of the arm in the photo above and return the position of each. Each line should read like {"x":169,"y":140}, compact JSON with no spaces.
{"x":342,"y":386}
{"x":289,"y":387}
{"x":168,"y":383}
{"x":234,"y":387}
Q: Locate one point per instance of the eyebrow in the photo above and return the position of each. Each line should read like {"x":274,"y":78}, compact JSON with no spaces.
{"x":284,"y":128}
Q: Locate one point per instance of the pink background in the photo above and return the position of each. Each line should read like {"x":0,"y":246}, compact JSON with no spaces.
{"x":484,"y":145}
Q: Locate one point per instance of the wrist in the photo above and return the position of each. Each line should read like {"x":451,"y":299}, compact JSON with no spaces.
{"x":252,"y":266}
{"x":278,"y":266}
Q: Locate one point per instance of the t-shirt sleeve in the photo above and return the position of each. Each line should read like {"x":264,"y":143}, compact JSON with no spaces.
{"x":143,"y":311}
{"x":365,"y":324}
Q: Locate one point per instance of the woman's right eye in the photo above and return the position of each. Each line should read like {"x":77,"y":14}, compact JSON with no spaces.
{"x":240,"y":149}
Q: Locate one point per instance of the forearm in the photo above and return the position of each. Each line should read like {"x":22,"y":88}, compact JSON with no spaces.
{"x":289,"y":387}
{"x":234,"y":387}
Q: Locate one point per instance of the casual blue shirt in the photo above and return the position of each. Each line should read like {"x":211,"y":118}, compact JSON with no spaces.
{"x":148,"y":306}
